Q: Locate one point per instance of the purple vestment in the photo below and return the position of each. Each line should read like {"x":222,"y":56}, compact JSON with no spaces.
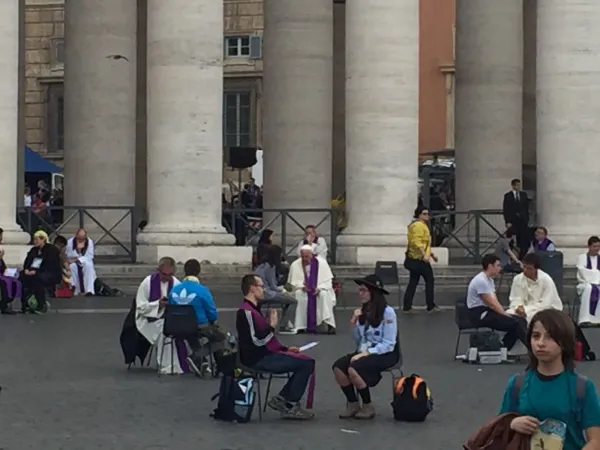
{"x":155,"y":295}
{"x":595,"y":294}
{"x":13,"y":285}
{"x":311,"y":283}
{"x":542,"y":246}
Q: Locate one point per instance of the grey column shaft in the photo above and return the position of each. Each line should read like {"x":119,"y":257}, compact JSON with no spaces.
{"x":100,"y":95}
{"x":185,"y":113}
{"x":297,"y":105}
{"x":489,"y":99}
{"x":568,"y":108}
{"x":382,"y":82}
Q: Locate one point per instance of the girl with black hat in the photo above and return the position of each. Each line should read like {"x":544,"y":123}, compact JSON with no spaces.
{"x":375,"y":332}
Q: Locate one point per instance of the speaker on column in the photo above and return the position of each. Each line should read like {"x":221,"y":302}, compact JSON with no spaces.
{"x":241,"y":157}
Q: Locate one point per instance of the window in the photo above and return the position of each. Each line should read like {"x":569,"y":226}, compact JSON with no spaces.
{"x":57,"y":49}
{"x":55,"y":118}
{"x":243,"y":47}
{"x":237,"y":123}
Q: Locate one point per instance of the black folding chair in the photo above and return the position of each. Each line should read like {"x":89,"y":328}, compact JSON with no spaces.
{"x":180,"y":323}
{"x":463,"y":323}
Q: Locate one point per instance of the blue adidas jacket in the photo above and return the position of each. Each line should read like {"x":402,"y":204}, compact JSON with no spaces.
{"x":193,"y":293}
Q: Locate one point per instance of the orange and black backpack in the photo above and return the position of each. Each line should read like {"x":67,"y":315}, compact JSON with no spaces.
{"x":412,"y":399}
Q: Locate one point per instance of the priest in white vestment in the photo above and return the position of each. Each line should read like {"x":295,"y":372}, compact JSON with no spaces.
{"x":588,"y":287}
{"x":312,"y":283}
{"x":533,"y":290}
{"x":312,"y":238}
{"x":151,"y":300}
{"x":80,"y":254}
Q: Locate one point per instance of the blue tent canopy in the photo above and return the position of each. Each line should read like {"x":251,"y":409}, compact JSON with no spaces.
{"x":36,"y":163}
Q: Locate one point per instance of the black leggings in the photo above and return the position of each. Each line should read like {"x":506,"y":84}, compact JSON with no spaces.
{"x":417,"y":269}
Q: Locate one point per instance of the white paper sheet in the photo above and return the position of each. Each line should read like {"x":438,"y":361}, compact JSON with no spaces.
{"x":308,"y":346}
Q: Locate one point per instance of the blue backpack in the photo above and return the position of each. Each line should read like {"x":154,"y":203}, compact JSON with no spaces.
{"x":236,"y":400}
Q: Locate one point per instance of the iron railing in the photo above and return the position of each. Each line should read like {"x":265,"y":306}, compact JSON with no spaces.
{"x":247,"y":224}
{"x":57,"y":219}
{"x":474,"y":232}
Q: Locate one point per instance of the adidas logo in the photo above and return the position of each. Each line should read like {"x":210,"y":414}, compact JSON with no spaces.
{"x":183,"y":298}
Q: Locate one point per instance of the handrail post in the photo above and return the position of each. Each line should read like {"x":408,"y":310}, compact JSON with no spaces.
{"x":477,"y":243}
{"x":30,"y":229}
{"x":133,"y":235}
{"x":333,"y":243}
{"x":283,"y":214}
{"x":81,"y":213}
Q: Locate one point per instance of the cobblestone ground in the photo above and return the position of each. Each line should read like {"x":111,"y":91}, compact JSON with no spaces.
{"x":65,"y":387}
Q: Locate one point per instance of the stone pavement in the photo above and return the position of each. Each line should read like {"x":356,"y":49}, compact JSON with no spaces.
{"x":65,"y":387}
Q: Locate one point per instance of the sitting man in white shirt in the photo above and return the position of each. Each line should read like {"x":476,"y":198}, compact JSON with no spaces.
{"x":533,"y":290}
{"x":317,"y":242}
{"x":486,"y":311}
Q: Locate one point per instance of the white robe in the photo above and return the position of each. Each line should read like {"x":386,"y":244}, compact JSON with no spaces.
{"x":586,"y":278}
{"x":534,"y":296}
{"x":319,"y":249}
{"x":87,"y":265}
{"x":153,"y":331}
{"x":326,"y":299}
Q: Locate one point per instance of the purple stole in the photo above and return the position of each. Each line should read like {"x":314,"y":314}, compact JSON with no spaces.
{"x":542,"y":246}
{"x":311,"y":285}
{"x":595,"y":294}
{"x":155,"y":295}
{"x":13,"y":285}
{"x":79,"y":267}
{"x":275,"y":346}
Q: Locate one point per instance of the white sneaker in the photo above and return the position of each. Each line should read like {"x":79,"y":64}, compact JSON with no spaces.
{"x":288,"y":331}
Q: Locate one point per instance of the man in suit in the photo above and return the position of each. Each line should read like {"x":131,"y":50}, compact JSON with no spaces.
{"x":515,"y":209}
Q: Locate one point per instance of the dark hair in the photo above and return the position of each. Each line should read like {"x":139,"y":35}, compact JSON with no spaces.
{"x":560,"y":327}
{"x":489,"y":260}
{"x":191,"y":268}
{"x":515,"y":181}
{"x":310,"y":227}
{"x":247,"y":282}
{"x":510,"y":232}
{"x":531,"y":259}
{"x":544,"y":229}
{"x":60,"y":240}
{"x":265,"y":236}
{"x":273,"y":256}
{"x":419,"y":211}
{"x":593,"y":240}
{"x":372,"y":311}
{"x":1,"y":230}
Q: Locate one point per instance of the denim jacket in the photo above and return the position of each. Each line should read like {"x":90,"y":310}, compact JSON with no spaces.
{"x":377,"y":340}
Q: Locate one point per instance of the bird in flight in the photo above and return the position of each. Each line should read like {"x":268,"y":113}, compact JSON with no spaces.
{"x":117,"y":57}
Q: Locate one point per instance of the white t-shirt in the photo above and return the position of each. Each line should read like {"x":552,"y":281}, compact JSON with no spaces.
{"x":479,"y":285}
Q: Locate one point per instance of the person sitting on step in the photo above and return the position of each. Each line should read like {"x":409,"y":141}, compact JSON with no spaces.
{"x":375,"y":332}
{"x":80,"y":252}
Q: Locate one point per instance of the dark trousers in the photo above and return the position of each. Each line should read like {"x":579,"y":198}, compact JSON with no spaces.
{"x":417,"y":269}
{"x":301,"y":370}
{"x":524,"y":237}
{"x":36,"y":285}
{"x":4,"y":298}
{"x":514,"y":326}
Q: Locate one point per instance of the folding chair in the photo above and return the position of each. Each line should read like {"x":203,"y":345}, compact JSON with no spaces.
{"x":396,"y":370}
{"x":180,"y":323}
{"x":387,"y":271}
{"x":464,"y":324}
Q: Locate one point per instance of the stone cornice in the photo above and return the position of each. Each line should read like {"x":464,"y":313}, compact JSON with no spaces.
{"x":44,"y":2}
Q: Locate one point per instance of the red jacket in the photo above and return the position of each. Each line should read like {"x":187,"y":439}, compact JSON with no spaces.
{"x":497,"y":435}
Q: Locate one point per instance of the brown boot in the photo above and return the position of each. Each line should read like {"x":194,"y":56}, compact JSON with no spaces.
{"x":350,"y":411}
{"x":367,"y":412}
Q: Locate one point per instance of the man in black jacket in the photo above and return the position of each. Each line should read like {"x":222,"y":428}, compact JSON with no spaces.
{"x":515,"y":209}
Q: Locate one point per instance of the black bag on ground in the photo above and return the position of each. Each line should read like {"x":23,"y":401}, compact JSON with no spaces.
{"x":485,"y":341}
{"x":412,"y":400}
{"x":235,"y":400}
{"x":101,"y":289}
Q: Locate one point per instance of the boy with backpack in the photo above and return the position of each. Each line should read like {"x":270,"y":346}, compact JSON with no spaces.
{"x":550,"y":391}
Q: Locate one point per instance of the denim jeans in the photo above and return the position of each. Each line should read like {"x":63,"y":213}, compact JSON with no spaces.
{"x":300,"y":370}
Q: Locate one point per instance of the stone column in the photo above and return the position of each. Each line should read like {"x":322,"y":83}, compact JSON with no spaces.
{"x":14,"y":239}
{"x":100,"y":111}
{"x":489,"y":98}
{"x":185,"y":137}
{"x":297,"y":120}
{"x":568,"y":76}
{"x":382,"y":98}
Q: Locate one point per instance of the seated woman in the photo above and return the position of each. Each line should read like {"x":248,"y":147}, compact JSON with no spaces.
{"x":376,"y":335}
{"x":80,"y":252}
{"x":64,"y":289}
{"x":41,"y":270}
{"x":10,"y":287}
{"x":541,"y":243}
{"x":275,"y":295}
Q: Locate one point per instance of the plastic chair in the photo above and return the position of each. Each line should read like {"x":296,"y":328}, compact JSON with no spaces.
{"x":180,"y":323}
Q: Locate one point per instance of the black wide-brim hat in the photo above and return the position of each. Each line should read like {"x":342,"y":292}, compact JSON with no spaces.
{"x":372,"y":281}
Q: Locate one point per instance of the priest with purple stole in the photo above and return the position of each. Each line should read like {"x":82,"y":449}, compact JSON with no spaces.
{"x":151,"y":300}
{"x":588,"y":287}
{"x":312,"y":283}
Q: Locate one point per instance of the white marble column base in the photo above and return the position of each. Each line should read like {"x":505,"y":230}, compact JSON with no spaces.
{"x":213,"y":254}
{"x":184,"y":236}
{"x":368,"y":255}
{"x":14,"y":254}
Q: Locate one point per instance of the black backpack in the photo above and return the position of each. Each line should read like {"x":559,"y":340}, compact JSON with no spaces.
{"x":485,"y":341}
{"x":412,"y":399}
{"x":236,"y":400}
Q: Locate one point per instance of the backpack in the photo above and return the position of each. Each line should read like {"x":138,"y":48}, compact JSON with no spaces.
{"x":412,"y":400}
{"x":485,"y":341}
{"x":579,"y":390}
{"x":236,"y":400}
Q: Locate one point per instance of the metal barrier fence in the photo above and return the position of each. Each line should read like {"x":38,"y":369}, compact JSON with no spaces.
{"x":248,"y":224}
{"x":475,"y":232}
{"x":56,"y":219}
